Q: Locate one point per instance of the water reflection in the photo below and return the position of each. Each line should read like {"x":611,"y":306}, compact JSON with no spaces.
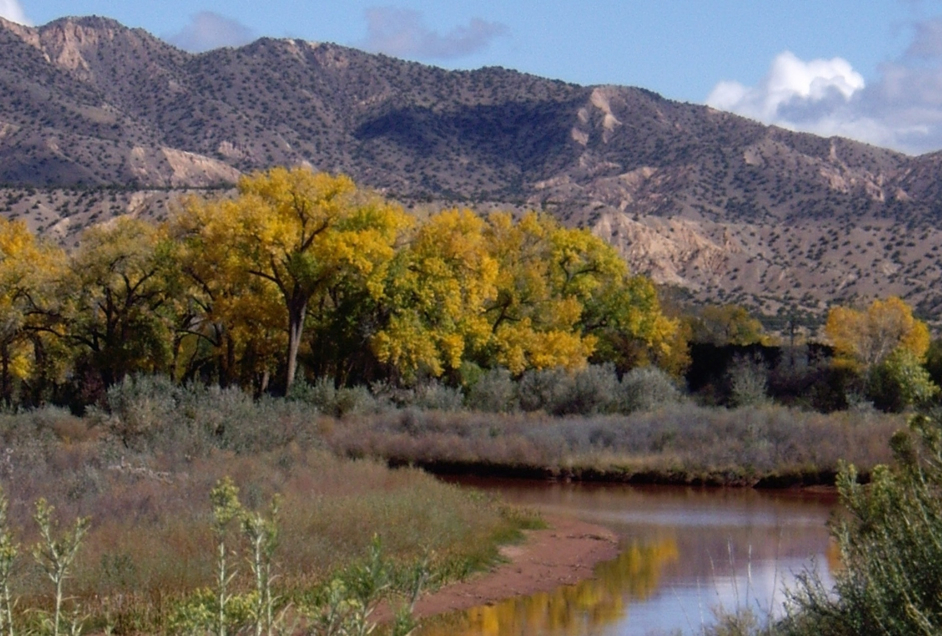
{"x":573,"y":609}
{"x":686,"y":553}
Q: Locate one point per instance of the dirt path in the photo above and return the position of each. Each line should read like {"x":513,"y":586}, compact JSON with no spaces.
{"x":562,"y":554}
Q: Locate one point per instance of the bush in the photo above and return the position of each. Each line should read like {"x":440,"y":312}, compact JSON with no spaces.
{"x":557,"y":391}
{"x":748,"y":382}
{"x":435,"y":396}
{"x":328,"y":399}
{"x":139,"y":406}
{"x":891,"y":579}
{"x":592,"y":391}
{"x":494,"y":392}
{"x":645,"y":389}
{"x":543,"y":389}
{"x":899,"y":382}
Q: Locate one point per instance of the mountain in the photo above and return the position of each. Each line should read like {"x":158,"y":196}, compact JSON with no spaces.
{"x":722,"y":208}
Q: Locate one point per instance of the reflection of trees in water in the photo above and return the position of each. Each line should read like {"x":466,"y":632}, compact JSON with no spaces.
{"x":572,"y":609}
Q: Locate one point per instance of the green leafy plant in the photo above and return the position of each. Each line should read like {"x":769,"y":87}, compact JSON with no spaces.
{"x":55,"y":555}
{"x":262,"y":534}
{"x":348,"y":602}
{"x":226,"y":509}
{"x":891,"y":579}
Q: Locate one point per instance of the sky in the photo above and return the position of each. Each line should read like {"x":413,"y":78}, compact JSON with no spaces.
{"x":866,"y":69}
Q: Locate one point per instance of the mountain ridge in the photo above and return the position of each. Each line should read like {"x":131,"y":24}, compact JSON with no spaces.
{"x":728,"y":209}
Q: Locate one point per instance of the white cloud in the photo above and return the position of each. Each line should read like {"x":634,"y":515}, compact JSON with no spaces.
{"x":789,"y":81}
{"x":13,"y":11}
{"x":900,"y":108}
{"x":208,"y":30}
{"x":402,"y":32}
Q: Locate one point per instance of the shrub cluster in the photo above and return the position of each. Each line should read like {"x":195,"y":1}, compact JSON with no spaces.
{"x":594,"y":390}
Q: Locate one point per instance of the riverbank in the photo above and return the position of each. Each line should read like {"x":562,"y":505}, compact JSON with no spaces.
{"x":563,"y":553}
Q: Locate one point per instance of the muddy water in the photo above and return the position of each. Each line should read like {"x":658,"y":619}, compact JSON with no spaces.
{"x":686,"y":553}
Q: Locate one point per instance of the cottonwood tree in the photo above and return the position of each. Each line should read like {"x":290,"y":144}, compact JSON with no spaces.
{"x":865,"y":338}
{"x":723,"y":325}
{"x":886,"y":346}
{"x":565,"y":296}
{"x":300,"y":232}
{"x":435,"y":297}
{"x":28,"y":270}
{"x":111,"y":303}
{"x":535,"y":312}
{"x":231,"y":323}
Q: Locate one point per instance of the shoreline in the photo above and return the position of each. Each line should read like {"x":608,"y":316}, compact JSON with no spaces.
{"x":788,"y":480}
{"x":563,"y":553}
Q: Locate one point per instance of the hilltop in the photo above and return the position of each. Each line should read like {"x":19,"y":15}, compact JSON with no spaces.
{"x":720,"y":207}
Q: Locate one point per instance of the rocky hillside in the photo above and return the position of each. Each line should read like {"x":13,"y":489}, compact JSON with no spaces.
{"x":716,"y":205}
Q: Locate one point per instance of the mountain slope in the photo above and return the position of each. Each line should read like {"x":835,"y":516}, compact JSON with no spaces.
{"x":721,"y":206}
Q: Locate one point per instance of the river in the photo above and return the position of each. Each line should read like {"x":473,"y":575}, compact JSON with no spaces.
{"x":686,"y":552}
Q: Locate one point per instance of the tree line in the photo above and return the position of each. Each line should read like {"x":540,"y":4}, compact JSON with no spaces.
{"x":302,"y":273}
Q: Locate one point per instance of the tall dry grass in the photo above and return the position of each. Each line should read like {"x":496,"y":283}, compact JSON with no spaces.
{"x":764,"y":445}
{"x":150,"y":543}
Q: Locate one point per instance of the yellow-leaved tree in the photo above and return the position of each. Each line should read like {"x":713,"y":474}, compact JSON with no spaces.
{"x":521,"y":294}
{"x":28,"y":271}
{"x":862,"y":339}
{"x":565,"y":296}
{"x":886,"y":346}
{"x":535,"y":313}
{"x":300,"y":232}
{"x":113,"y":301}
{"x":435,"y":297}
{"x":231,"y":323}
{"x":723,"y":325}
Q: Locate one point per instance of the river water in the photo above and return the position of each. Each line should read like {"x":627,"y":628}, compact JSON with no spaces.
{"x":686,"y":553}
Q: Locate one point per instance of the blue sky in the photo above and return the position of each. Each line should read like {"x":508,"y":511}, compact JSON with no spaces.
{"x":866,"y":69}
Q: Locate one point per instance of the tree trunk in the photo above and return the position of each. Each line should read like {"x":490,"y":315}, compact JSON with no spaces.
{"x":297,"y":311}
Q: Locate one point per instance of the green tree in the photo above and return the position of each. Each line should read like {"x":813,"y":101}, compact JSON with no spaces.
{"x":900,"y":381}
